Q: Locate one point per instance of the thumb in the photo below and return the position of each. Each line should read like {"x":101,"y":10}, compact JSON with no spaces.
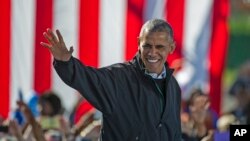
{"x":71,"y":50}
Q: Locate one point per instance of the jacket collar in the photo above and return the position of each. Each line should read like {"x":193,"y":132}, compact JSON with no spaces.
{"x":156,"y":76}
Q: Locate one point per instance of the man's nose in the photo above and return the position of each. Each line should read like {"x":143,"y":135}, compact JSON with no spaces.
{"x":152,"y":51}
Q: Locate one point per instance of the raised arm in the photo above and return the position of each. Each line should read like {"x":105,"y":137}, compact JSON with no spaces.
{"x":98,"y":86}
{"x":36,"y":128}
{"x":57,"y":46}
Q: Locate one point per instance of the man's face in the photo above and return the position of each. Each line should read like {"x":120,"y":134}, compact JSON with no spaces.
{"x":154,"y":48}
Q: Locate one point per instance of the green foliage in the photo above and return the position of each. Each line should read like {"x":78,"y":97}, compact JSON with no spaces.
{"x":239,"y":46}
{"x":240,"y":24}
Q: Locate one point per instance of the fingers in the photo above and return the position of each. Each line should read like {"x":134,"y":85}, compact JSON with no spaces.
{"x":25,"y":109}
{"x":49,"y":38}
{"x":59,"y":35}
{"x":52,"y":35}
{"x":19,"y":103}
{"x":46,"y":45}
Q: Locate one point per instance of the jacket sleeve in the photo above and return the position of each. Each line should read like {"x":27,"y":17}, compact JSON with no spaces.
{"x":96,"y":85}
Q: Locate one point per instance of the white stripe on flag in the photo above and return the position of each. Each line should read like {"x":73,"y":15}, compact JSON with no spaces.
{"x":112,"y":32}
{"x":197,"y":32}
{"x":154,"y":9}
{"x":66,"y":20}
{"x":22,"y":48}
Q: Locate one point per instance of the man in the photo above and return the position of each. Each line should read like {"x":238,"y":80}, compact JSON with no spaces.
{"x":139,"y":99}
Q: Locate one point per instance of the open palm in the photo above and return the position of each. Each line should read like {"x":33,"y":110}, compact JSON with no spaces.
{"x":57,"y":46}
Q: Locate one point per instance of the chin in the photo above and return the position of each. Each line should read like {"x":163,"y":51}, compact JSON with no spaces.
{"x":152,"y":71}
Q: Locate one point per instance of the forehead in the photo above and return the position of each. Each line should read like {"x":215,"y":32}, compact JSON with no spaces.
{"x":154,"y":36}
{"x":200,"y":98}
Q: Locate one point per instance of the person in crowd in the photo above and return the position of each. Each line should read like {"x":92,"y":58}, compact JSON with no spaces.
{"x":241,"y":91}
{"x":222,"y":132}
{"x":34,"y":129}
{"x":11,"y":131}
{"x":139,"y":99}
{"x":51,"y":111}
{"x":198,"y":120}
{"x":51,"y":116}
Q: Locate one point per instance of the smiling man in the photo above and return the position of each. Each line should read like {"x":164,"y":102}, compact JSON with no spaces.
{"x":139,"y":99}
{"x":155,"y":44}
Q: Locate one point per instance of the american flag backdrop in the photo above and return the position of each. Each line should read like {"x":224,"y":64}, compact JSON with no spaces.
{"x":104,"y":32}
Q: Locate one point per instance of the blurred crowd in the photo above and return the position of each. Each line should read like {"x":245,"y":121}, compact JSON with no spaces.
{"x":45,"y":120}
{"x":201,"y":123}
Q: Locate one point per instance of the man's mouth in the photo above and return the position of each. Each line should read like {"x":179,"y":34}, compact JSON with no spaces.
{"x":152,"y":60}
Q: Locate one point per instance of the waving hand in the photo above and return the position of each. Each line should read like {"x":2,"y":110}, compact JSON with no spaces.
{"x":57,"y":46}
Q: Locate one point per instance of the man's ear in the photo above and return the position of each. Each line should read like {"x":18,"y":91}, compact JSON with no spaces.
{"x":138,"y":43}
{"x":172,"y":47}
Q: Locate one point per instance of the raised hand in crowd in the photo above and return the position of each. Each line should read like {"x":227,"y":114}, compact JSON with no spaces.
{"x":36,"y":128}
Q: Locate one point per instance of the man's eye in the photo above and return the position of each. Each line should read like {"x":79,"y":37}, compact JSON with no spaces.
{"x":159,"y":47}
{"x":146,"y":46}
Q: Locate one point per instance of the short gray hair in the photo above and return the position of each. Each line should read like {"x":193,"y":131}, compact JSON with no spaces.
{"x":157,"y":25}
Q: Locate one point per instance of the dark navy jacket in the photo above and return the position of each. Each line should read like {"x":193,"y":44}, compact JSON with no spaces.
{"x":128,"y":98}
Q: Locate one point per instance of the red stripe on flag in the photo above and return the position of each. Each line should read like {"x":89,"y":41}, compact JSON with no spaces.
{"x":42,"y":70}
{"x":5,"y":36}
{"x":134,"y":22}
{"x":175,"y":16}
{"x":88,"y":35}
{"x":89,"y":32}
{"x":218,"y":50}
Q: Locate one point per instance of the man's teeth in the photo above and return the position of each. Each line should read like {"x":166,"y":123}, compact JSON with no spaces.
{"x":152,"y":61}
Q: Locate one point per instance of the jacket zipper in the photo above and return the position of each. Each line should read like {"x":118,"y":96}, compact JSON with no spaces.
{"x":161,"y":95}
{"x":161,"y":102}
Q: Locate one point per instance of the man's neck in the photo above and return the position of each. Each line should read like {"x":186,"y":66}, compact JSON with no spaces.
{"x":157,"y":76}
